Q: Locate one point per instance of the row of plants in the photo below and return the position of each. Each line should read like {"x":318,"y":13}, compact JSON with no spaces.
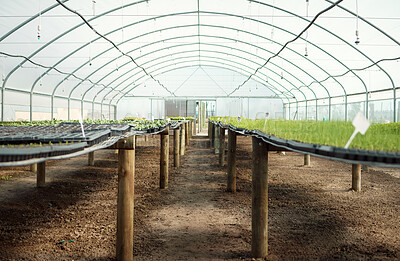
{"x":180,"y":118}
{"x":140,"y":123}
{"x":380,"y":137}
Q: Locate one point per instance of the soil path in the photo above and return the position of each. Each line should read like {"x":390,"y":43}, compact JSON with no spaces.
{"x":191,"y":221}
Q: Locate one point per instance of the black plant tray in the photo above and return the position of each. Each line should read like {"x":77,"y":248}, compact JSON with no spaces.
{"x":354,"y":156}
{"x":30,"y":152}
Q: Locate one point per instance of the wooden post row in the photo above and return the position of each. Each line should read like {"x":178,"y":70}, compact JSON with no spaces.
{"x":41,"y":174}
{"x":186,"y":133}
{"x":182,"y":148}
{"x":91,"y":158}
{"x":259,"y":217}
{"x":212,"y":134}
{"x":356,"y":177}
{"x":210,"y":129}
{"x":307,"y":160}
{"x":125,"y":201}
{"x":34,"y":167}
{"x":176,"y":147}
{"x":164,"y":159}
{"x":216,"y":140}
{"x":231,"y":186}
{"x":222,"y":147}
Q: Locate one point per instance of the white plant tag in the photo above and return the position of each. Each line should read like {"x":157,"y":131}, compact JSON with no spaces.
{"x":81,"y":122}
{"x":265,"y":121}
{"x":361,"y":125}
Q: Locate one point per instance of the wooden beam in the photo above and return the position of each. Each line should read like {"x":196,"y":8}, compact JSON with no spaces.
{"x":356,"y":177}
{"x":164,"y":159}
{"x":125,"y":203}
{"x":216,"y":140}
{"x":259,"y":218}
{"x":41,"y":175}
{"x":221,"y":147}
{"x":34,"y":167}
{"x":231,"y":186}
{"x":209,"y":130}
{"x":91,"y":158}
{"x":182,"y":148}
{"x":176,"y":147}
{"x":212,"y":135}
{"x":187,"y":133}
{"x":307,"y":160}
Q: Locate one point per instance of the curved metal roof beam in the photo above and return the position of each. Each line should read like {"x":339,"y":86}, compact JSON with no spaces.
{"x":168,"y":55}
{"x":272,"y":88}
{"x":347,"y":43}
{"x":235,"y":29}
{"x":174,"y":62}
{"x":242,"y":17}
{"x":191,"y":61}
{"x":366,"y":21}
{"x":189,"y":66}
{"x":229,"y":47}
{"x":231,"y":15}
{"x":30,"y":19}
{"x":63,"y":34}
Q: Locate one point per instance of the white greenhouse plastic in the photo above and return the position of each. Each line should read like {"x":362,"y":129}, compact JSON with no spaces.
{"x":55,"y":65}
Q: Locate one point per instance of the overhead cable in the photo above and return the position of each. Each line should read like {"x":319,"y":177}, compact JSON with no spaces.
{"x":285,"y":45}
{"x":115,"y":46}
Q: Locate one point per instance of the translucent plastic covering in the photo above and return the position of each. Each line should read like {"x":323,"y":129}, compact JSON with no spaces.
{"x":67,"y":57}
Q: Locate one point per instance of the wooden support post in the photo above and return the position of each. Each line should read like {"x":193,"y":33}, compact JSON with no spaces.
{"x":176,"y":147}
{"x":356,"y":177}
{"x":182,"y":148}
{"x":91,"y":158}
{"x":146,"y":138}
{"x":164,"y":159}
{"x":41,"y":175}
{"x":231,"y":161}
{"x":190,"y":130}
{"x":34,"y":167}
{"x":209,"y":129}
{"x":221,"y":147}
{"x":259,"y":217}
{"x":186,"y":133}
{"x":216,"y":140}
{"x":125,"y":202}
{"x":307,"y":160}
{"x":212,"y":135}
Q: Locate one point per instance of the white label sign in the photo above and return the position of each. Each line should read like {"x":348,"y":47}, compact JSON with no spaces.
{"x":361,"y":125}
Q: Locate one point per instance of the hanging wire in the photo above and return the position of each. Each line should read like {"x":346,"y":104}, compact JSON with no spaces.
{"x":286,"y":44}
{"x":357,"y":34}
{"x":40,"y":20}
{"x":272,"y":21}
{"x":94,"y":7}
{"x":306,"y":35}
{"x":115,"y":46}
{"x":122,"y":21}
{"x":52,"y":68}
{"x":90,"y":53}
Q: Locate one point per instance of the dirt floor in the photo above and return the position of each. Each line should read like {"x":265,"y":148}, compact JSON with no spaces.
{"x":312,"y":212}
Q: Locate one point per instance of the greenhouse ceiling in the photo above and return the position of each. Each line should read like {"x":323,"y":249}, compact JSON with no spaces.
{"x":100,"y":51}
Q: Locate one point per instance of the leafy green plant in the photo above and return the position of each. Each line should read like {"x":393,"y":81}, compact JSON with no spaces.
{"x":383,"y":137}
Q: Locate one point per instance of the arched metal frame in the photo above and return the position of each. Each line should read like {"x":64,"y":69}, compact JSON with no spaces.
{"x":199,"y":25}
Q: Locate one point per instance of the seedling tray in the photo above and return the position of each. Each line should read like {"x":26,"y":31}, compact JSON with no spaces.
{"x":353,"y":156}
{"x":29,"y":152}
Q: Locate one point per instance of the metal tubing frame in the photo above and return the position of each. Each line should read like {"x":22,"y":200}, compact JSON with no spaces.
{"x":198,"y":12}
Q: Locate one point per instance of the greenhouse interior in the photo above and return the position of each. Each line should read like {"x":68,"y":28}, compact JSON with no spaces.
{"x":254,"y":111}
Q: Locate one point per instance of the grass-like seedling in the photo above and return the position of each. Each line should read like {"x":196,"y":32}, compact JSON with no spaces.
{"x":381,"y":137}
